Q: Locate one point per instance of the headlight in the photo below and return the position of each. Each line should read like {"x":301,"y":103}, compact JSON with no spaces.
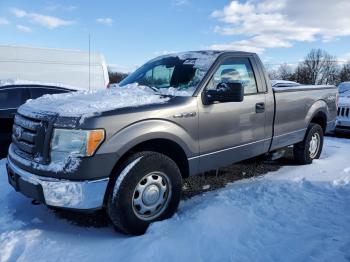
{"x":70,"y":142}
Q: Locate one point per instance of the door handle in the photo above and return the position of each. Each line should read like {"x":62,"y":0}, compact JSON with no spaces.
{"x":260,"y":108}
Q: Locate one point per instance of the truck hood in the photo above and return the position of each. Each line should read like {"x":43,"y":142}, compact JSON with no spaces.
{"x":84,"y":104}
{"x":344,"y":100}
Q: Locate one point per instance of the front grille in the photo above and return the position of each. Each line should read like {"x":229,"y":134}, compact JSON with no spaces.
{"x":29,"y":135}
{"x":344,"y":111}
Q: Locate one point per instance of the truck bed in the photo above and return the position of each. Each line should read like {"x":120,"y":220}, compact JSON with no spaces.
{"x":294,"y":111}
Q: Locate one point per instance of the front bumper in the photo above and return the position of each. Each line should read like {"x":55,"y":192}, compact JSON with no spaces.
{"x":343,"y":123}
{"x":87,"y":194}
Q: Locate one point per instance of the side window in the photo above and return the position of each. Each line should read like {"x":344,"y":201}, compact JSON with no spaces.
{"x":158,"y":76}
{"x":12,"y":97}
{"x":36,"y":92}
{"x":235,"y":70}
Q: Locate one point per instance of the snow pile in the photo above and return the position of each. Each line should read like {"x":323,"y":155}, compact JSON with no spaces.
{"x":89,"y":103}
{"x":298,"y":213}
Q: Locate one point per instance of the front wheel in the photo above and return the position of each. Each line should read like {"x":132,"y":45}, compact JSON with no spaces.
{"x":311,"y":147}
{"x":147,"y":188}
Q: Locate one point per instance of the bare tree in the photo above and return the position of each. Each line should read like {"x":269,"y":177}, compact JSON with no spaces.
{"x":271,"y":71}
{"x":302,"y":75}
{"x":116,"y":77}
{"x":344,"y":74}
{"x":318,"y":67}
{"x":285,"y":72}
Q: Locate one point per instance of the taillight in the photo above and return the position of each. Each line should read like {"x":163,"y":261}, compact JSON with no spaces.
{"x":337,"y":99}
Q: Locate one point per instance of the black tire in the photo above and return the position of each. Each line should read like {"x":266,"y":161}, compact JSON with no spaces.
{"x":120,"y":199}
{"x":301,"y":151}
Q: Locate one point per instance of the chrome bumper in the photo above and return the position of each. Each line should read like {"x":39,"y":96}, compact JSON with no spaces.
{"x":343,"y":122}
{"x":63,"y":193}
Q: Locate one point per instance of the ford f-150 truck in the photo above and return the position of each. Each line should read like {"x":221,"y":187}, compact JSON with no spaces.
{"x":127,"y":149}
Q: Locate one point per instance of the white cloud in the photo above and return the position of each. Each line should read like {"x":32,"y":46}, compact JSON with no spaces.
{"x":4,"y":21}
{"x":24,"y":29}
{"x":256,"y":44}
{"x":19,"y":12}
{"x":180,"y":2}
{"x":105,"y":21}
{"x":50,"y":22}
{"x":55,"y":7}
{"x":280,"y":23}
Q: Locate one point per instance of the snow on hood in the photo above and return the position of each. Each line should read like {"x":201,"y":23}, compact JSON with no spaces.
{"x":89,"y":103}
{"x":173,"y":91}
{"x":344,"y":100}
{"x":170,"y":91}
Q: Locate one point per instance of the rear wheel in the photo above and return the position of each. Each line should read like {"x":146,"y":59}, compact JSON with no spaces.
{"x":147,"y":188}
{"x":311,"y":147}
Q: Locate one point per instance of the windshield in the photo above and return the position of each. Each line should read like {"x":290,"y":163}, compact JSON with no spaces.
{"x":344,"y":88}
{"x":177,"y":74}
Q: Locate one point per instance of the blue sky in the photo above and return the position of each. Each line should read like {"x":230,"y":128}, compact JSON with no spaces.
{"x":130,"y":32}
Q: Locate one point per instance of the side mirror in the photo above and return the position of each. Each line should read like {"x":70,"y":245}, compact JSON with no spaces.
{"x":225,"y":92}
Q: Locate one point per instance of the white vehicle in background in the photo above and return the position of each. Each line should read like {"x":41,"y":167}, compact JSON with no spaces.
{"x":66,"y":67}
{"x":343,"y":117}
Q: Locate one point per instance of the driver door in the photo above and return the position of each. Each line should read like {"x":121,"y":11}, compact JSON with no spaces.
{"x":232,"y":131}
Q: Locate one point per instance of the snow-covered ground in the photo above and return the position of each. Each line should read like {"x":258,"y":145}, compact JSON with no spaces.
{"x":298,"y":213}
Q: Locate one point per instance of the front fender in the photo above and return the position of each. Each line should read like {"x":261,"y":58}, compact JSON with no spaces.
{"x":145,"y":130}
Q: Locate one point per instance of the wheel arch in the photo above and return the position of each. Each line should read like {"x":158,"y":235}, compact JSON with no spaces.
{"x":318,"y":114}
{"x":160,"y":145}
{"x":320,"y":118}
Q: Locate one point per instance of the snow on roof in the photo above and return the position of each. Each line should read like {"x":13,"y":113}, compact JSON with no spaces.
{"x":12,"y":82}
{"x":200,"y":59}
{"x":88,"y":103}
{"x":27,"y":53}
{"x":203,"y":59}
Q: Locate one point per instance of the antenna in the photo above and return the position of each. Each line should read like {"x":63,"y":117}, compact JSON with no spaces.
{"x":89,"y":61}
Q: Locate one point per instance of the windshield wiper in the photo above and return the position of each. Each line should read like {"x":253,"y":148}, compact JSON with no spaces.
{"x":154,"y":89}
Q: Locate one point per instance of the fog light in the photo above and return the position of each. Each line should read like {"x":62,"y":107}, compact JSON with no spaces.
{"x":62,"y":193}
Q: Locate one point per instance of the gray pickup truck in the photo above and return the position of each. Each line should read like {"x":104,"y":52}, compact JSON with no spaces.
{"x":127,"y":149}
